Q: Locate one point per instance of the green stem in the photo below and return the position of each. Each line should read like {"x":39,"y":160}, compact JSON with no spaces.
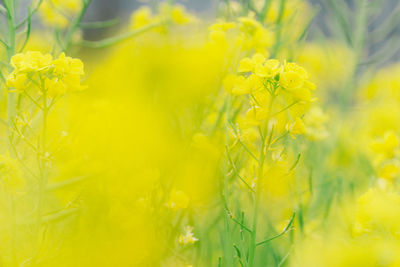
{"x":10,"y":7}
{"x":42,"y":167}
{"x":33,"y":10}
{"x":75,"y":26}
{"x":264,"y":10}
{"x":287,"y":229}
{"x":253,"y":237}
{"x":227,"y":240}
{"x":11,"y":97}
{"x":117,"y":39}
{"x":279,"y":28}
{"x":360,"y":32}
{"x":99,"y":24}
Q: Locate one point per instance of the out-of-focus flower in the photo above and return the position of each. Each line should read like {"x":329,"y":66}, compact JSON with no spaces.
{"x":188,"y":236}
{"x":57,"y":13}
{"x":296,"y":128}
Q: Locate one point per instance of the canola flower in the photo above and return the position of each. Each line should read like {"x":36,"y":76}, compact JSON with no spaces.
{"x":188,"y":237}
{"x":58,"y":13}
{"x":51,"y":78}
{"x":199,"y":139}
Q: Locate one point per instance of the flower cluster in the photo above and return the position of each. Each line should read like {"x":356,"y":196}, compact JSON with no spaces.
{"x":248,"y":34}
{"x":378,"y":212}
{"x":52,"y":77}
{"x":258,"y":72}
{"x":176,"y":14}
{"x":386,"y":156}
{"x":274,"y":88}
{"x":57,"y":13}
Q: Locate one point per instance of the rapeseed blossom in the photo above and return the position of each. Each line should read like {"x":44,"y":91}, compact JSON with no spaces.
{"x":51,"y":76}
{"x":57,"y":13}
{"x":254,"y":133}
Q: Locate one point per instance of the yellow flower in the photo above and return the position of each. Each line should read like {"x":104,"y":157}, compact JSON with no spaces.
{"x":243,"y":85}
{"x":66,"y":65}
{"x":55,"y":87}
{"x":297,"y":69}
{"x":249,"y":135}
{"x":188,"y":237}
{"x":315,"y":120}
{"x":291,"y":80}
{"x":51,"y":17}
{"x":256,"y":115}
{"x":387,"y":145}
{"x":180,"y":16}
{"x":253,"y":83}
{"x":378,"y":211}
{"x":218,"y":36}
{"x":389,"y":170}
{"x":240,"y":85}
{"x":302,"y":94}
{"x":229,"y":82}
{"x":57,"y":13}
{"x":269,"y":69}
{"x":248,"y":64}
{"x":258,"y":58}
{"x":294,"y":77}
{"x":18,"y":81}
{"x":31,"y":61}
{"x":59,"y":75}
{"x":296,"y":128}
{"x":222,"y":26}
{"x":141,"y":17}
{"x":69,"y":70}
{"x":176,"y":13}
{"x":256,"y":36}
{"x":248,"y":24}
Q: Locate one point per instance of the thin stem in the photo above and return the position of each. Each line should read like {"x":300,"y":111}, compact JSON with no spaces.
{"x":75,"y":25}
{"x":2,"y":77}
{"x":236,"y":171}
{"x":34,"y":10}
{"x":98,"y":24}
{"x":279,"y":27}
{"x":11,"y":97}
{"x":33,"y":100}
{"x":285,"y":230}
{"x":253,"y":238}
{"x":4,"y":43}
{"x":42,"y":166}
{"x":9,"y":5}
{"x":264,"y":10}
{"x":23,"y":163}
{"x":285,"y":108}
{"x":241,"y":224}
{"x":240,"y":142}
{"x":248,"y":150}
{"x":28,"y":30}
{"x":117,"y":39}
{"x":280,"y":137}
